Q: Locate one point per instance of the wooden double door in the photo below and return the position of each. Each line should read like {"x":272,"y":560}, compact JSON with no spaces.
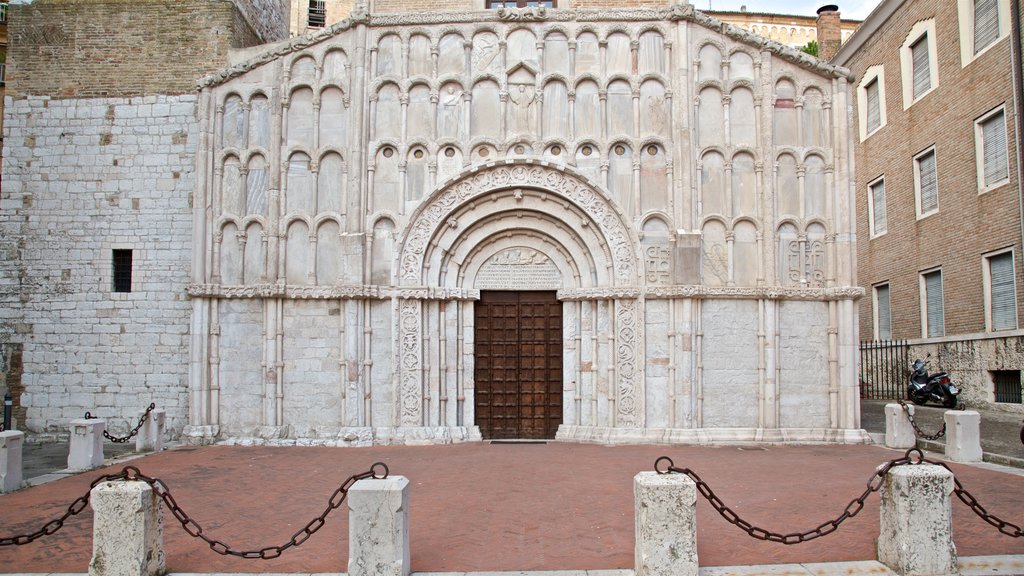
{"x":518,"y":373}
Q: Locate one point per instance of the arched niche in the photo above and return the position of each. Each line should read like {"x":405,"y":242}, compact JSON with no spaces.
{"x":389,"y":55}
{"x":742,"y":119}
{"x":588,"y":54}
{"x":744,"y":185}
{"x":451,"y":57}
{"x":336,"y":68}
{"x":588,"y":110}
{"x":710,"y":63}
{"x":328,"y":251}
{"x":746,"y":256}
{"x":656,"y":252}
{"x":388,"y":117}
{"x":420,"y":63}
{"x":485,"y":110}
{"x":522,"y":48}
{"x":259,"y":122}
{"x":710,"y":117}
{"x":815,"y":187}
{"x":303,"y":69}
{"x":256,"y":186}
{"x":556,"y":54}
{"x":231,"y":259}
{"x":255,"y":257}
{"x":421,"y":113}
{"x":556,"y":109}
{"x":620,"y":109}
{"x":330,"y":184}
{"x":300,"y":187}
{"x":297,"y":265}
{"x":714,"y":260}
{"x":651,"y":53}
{"x":300,"y":117}
{"x":786,"y":126}
{"x":233,"y":127}
{"x":619,"y":57}
{"x":383,"y":251}
{"x":713,"y":186}
{"x":654,"y":117}
{"x":333,"y":118}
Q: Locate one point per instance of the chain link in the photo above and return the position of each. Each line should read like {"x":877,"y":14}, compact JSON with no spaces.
{"x":1008,"y":528}
{"x":125,"y":439}
{"x":920,"y":433}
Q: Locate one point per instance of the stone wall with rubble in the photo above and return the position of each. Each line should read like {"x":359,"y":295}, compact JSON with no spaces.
{"x":973,"y":360}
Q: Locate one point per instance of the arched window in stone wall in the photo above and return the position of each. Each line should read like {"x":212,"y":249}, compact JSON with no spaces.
{"x":255,"y":267}
{"x":790,"y":257}
{"x":416,"y":182}
{"x":745,"y":254}
{"x":420,"y":62}
{"x":618,"y":54}
{"x":297,"y":253}
{"x":421,"y":113}
{"x":386,"y":183}
{"x":389,"y":55}
{"x":449,"y":162}
{"x":786,"y":128}
{"x":710,"y":118}
{"x":620,"y":109}
{"x":654,"y":183}
{"x":336,"y":68}
{"x":388,"y":116}
{"x":713,"y":186}
{"x":451,"y":56}
{"x":588,"y":110}
{"x":741,"y":66}
{"x":654,"y":117}
{"x":299,"y":185}
{"x":657,"y":256}
{"x":486,"y":53}
{"x":383,"y":252}
{"x":651,"y":53}
{"x":230,"y":256}
{"x":556,"y":109}
{"x":450,"y":112}
{"x":303,"y":70}
{"x":744,"y":186}
{"x":815,"y":119}
{"x":742,"y":119}
{"x":588,"y":54}
{"x":710,"y":63}
{"x":714,"y":261}
{"x":300,"y":117}
{"x":328,"y":253}
{"x":333,"y":119}
{"x":556,"y":54}
{"x":620,"y":176}
{"x":787,"y":187}
{"x":259,"y":122}
{"x":330,"y":184}
{"x":233,"y":129}
{"x":256,"y":189}
{"x":588,"y":161}
{"x":815,"y":187}
{"x":522,"y":47}
{"x":485,"y":110}
{"x":232,"y":194}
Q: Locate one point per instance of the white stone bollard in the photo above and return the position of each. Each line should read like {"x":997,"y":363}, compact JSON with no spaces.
{"x":127,"y":532}
{"x":916,"y":521}
{"x":86,"y":449}
{"x":151,"y":436}
{"x":666,"y":524}
{"x":898,"y":431}
{"x":10,"y":460}
{"x":378,"y":527}
{"x":963,"y":435}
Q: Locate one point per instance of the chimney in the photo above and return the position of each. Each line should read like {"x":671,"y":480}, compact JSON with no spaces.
{"x":829,"y":31}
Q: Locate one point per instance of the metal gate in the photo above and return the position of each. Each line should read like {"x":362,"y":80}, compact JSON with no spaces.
{"x":884,"y":369}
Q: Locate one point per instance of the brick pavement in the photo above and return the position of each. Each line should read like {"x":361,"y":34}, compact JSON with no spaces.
{"x":501,"y":507}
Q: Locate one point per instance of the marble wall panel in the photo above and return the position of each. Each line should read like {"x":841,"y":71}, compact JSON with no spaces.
{"x":729,"y":353}
{"x":230,"y":255}
{"x":259,"y":122}
{"x":300,"y":117}
{"x":420,"y":61}
{"x":330,"y":184}
{"x":556,"y":54}
{"x":328,"y":253}
{"x":803,"y":364}
{"x":451,"y":57}
{"x":333,"y":126}
{"x":588,"y":54}
{"x":255,"y":266}
{"x":297,"y":265}
{"x":239,"y":374}
{"x":312,"y":374}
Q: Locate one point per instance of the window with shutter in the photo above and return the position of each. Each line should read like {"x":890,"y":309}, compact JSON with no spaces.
{"x":317,"y":14}
{"x":922,"y":72}
{"x":993,"y":149}
{"x":986,"y":23}
{"x":1003,"y":292}
{"x":879,"y":220}
{"x":928,"y":191}
{"x":883,"y":315}
{"x":874,"y":111}
{"x":934,"y":321}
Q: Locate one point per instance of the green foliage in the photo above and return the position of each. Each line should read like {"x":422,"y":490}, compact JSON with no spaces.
{"x":810,"y":48}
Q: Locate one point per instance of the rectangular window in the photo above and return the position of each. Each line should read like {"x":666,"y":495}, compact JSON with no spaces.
{"x":931,"y":294}
{"x":986,"y":23}
{"x":879,"y":220}
{"x":990,"y":133}
{"x":883,"y":313}
{"x":926,"y":183}
{"x":122,"y":270}
{"x":874,"y":107}
{"x":922,"y":73}
{"x":317,"y":14}
{"x":1002,"y":292}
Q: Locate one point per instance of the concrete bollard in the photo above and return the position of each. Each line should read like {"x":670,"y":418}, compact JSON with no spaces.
{"x":898,"y":431}
{"x":86,"y":449}
{"x":151,"y":435}
{"x":666,"y":524}
{"x":10,"y":460}
{"x":378,"y":527}
{"x":127,"y":532}
{"x":963,"y":435}
{"x":916,"y":521}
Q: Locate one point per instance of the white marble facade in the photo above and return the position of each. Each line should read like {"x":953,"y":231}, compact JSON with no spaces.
{"x":684,"y":186}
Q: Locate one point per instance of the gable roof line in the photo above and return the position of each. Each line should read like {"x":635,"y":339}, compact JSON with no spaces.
{"x":672,"y":13}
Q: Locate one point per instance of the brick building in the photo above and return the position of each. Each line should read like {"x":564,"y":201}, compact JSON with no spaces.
{"x":939,"y":188}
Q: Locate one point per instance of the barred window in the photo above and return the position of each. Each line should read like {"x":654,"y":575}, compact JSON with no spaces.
{"x":317,"y":14}
{"x":122,"y":270}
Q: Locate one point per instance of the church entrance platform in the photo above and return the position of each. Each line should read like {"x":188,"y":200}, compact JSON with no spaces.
{"x":502,"y":507}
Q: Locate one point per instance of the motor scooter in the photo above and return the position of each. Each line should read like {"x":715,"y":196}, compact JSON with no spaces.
{"x":935,"y":387}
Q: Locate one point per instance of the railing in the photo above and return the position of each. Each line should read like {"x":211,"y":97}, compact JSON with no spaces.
{"x":884,"y":369}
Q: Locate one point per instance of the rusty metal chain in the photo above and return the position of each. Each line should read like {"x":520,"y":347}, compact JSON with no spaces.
{"x":75,"y":508}
{"x":192,"y":528}
{"x":1008,"y":528}
{"x":125,"y":439}
{"x":920,"y":433}
{"x":852,"y":509}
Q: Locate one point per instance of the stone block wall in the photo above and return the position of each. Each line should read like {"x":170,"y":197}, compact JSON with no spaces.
{"x":970,"y":362}
{"x":83,"y":177}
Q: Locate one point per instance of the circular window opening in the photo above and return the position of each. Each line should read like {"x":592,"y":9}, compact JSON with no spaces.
{"x":389,"y":152}
{"x":449,"y":152}
{"x":620,"y":150}
{"x":556,"y":150}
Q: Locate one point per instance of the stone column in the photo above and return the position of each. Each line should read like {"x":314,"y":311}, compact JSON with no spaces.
{"x":127,"y":532}
{"x":86,"y":443}
{"x":898,"y":431}
{"x":151,"y":435}
{"x":666,"y":524}
{"x":10,"y":460}
{"x":916,"y":521}
{"x":378,"y":527}
{"x":963,"y":435}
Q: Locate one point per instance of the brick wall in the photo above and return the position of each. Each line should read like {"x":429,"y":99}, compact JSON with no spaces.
{"x":968,"y":224}
{"x":89,"y":48}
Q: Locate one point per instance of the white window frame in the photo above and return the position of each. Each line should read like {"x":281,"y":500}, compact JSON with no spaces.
{"x":872,"y":231}
{"x":924,"y":300}
{"x":874,"y":310}
{"x":986,"y":263}
{"x":979,"y":150}
{"x":965,"y":13}
{"x":876,"y":72}
{"x":919,"y":30}
{"x":917,"y":183}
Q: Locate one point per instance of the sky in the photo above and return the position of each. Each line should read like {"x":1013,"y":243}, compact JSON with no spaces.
{"x":849,"y":9}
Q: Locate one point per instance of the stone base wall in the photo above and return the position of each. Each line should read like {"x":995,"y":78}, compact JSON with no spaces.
{"x":83,"y":177}
{"x":970,"y":362}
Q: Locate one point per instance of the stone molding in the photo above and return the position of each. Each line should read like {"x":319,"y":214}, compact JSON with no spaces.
{"x":329,"y":292}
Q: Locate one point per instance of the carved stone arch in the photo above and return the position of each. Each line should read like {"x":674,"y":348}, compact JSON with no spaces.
{"x":652,"y":140}
{"x":652,"y":28}
{"x":555,"y":29}
{"x":449,"y":79}
{"x":742,"y":83}
{"x":324,"y":151}
{"x":749,"y":150}
{"x":740,"y":219}
{"x":223,"y":221}
{"x":288,"y":219}
{"x":618,"y":29}
{"x":817,"y":221}
{"x":716,"y":218}
{"x":320,"y":219}
{"x":555,"y":77}
{"x":712,"y":41}
{"x":620,"y":78}
{"x":655,"y":77}
{"x":561,"y":182}
{"x":254,"y":219}
{"x":710,"y":83}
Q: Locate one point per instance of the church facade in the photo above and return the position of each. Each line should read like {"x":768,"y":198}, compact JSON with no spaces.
{"x":592,"y":225}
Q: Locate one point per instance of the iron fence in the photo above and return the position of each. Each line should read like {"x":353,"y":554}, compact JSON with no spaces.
{"x":884,"y":369}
